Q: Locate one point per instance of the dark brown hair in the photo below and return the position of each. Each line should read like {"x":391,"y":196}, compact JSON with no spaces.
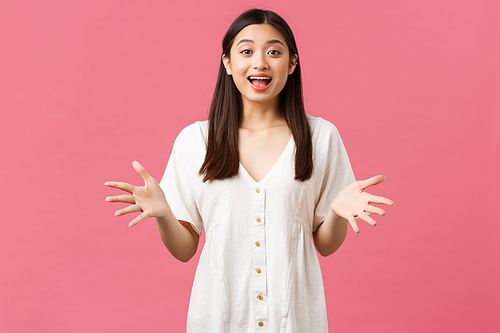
{"x":222,"y":159}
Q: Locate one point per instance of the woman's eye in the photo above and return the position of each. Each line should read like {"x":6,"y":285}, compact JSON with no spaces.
{"x":274,"y":52}
{"x":246,"y":52}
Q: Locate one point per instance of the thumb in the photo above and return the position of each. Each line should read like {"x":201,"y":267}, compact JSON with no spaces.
{"x":371,"y":181}
{"x":141,"y":171}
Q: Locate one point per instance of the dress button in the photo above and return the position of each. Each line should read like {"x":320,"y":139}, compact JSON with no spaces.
{"x":260,"y":297}
{"x":257,"y":243}
{"x":261,"y":324}
{"x":258,"y":219}
{"x":258,"y":271}
{"x":257,"y":190}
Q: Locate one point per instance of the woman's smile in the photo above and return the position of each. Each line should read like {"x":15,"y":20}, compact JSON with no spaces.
{"x":259,"y":82}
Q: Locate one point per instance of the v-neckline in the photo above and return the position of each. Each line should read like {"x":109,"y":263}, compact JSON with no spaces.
{"x":242,"y":168}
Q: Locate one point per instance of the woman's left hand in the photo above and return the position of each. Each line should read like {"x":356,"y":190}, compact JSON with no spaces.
{"x":354,"y":202}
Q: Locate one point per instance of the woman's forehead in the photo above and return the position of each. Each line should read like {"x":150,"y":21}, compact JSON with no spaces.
{"x":259,"y":34}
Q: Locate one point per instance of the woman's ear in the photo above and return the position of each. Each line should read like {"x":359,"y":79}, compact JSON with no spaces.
{"x":227,"y":64}
{"x":293,"y":63}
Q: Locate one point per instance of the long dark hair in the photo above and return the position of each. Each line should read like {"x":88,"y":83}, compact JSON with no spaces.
{"x":222,"y":159}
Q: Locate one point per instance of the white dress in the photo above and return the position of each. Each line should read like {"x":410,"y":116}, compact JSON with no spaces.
{"x":258,"y":270}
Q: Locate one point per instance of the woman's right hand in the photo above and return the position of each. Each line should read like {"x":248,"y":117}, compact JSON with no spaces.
{"x":148,"y":199}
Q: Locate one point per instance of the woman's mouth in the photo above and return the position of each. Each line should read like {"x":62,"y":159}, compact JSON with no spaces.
{"x":259,"y":83}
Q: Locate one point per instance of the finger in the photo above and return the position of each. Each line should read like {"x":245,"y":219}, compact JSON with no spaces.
{"x":380,"y":200}
{"x":121,"y":198}
{"x":371,"y":181}
{"x":374,"y":210}
{"x":354,"y":225}
{"x":367,"y":219}
{"x":141,"y":171}
{"x":121,"y":186}
{"x":127,"y":210}
{"x":138,"y":219}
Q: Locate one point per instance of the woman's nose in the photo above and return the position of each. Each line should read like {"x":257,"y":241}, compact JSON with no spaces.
{"x":260,"y":62}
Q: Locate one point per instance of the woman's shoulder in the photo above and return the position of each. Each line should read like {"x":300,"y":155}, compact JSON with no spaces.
{"x":194,"y":133}
{"x":190,"y":145}
{"x":321,"y":128}
{"x":328,"y":148}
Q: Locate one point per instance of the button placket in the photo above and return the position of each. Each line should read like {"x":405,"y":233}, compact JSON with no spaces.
{"x":259,"y":258}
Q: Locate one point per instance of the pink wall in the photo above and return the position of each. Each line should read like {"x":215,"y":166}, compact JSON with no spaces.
{"x":88,"y":86}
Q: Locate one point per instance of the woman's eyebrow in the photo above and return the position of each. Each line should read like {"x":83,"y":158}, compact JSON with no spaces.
{"x":275,"y":41}
{"x":271,"y":41}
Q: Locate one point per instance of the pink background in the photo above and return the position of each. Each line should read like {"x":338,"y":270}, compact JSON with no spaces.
{"x":87,"y":86}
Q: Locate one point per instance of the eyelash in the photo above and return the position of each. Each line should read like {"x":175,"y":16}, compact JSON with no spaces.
{"x":271,"y":52}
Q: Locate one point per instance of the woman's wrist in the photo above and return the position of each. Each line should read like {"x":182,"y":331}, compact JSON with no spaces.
{"x":165,"y":213}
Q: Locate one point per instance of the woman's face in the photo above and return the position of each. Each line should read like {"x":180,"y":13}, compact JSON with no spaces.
{"x":259,"y":63}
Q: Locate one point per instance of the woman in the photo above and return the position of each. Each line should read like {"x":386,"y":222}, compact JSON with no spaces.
{"x":263,"y":179}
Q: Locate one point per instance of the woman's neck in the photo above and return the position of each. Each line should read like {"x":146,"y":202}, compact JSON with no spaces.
{"x":261,"y":115}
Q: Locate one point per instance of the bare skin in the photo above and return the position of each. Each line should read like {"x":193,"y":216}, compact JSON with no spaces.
{"x":351,"y":203}
{"x":178,"y":236}
{"x":260,"y":148}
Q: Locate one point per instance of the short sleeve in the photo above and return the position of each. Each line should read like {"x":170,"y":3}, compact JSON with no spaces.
{"x":336,"y":168}
{"x":180,"y":174}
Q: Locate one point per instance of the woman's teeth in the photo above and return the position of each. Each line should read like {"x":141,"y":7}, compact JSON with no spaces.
{"x":259,"y":81}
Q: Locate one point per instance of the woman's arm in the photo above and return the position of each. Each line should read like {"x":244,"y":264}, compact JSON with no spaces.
{"x":181,"y":244}
{"x":351,"y":203}
{"x":178,"y":236}
{"x":330,"y":234}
